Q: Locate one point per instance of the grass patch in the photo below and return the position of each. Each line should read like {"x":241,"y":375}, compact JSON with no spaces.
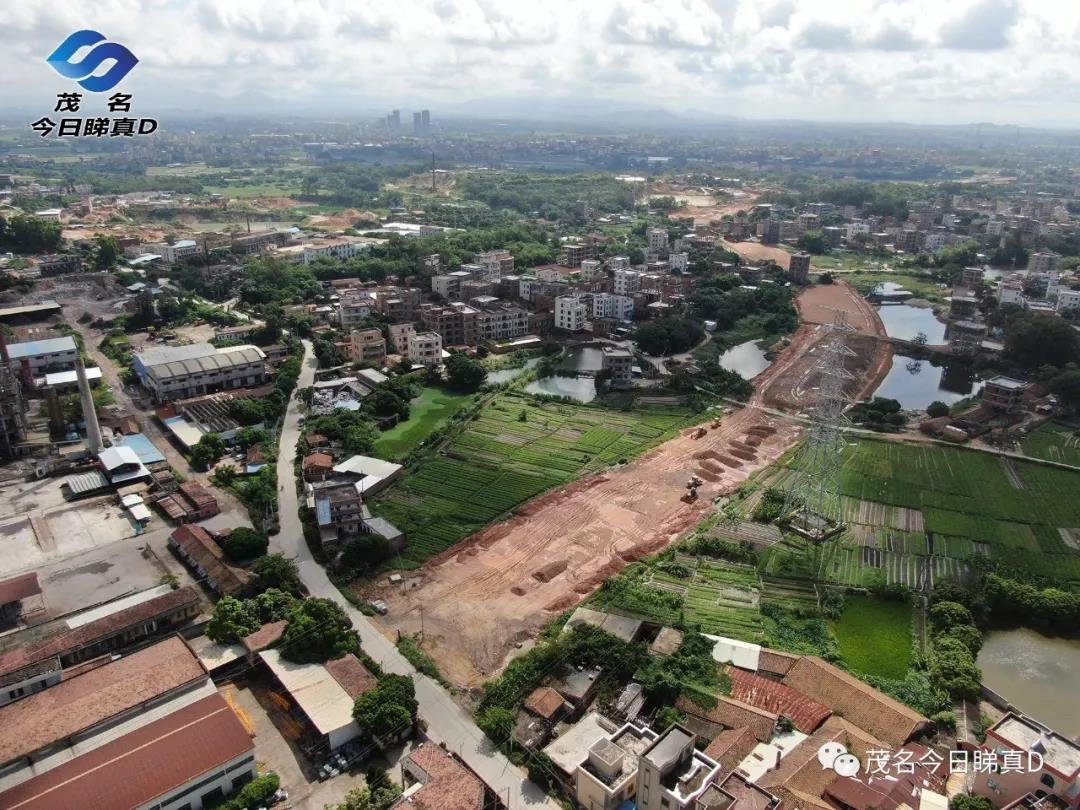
{"x":430,"y":411}
{"x":874,"y":636}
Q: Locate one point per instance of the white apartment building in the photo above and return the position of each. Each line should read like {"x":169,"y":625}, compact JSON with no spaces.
{"x":503,"y":322}
{"x":627,"y":282}
{"x":1068,"y":300}
{"x":448,"y":286}
{"x":1011,"y":291}
{"x":679,"y":262}
{"x":590,"y":269}
{"x":495,"y":264}
{"x":335,"y":248}
{"x":424,"y":348}
{"x":619,"y":263}
{"x":609,"y":305}
{"x":571,"y":313}
{"x":858,"y":226}
{"x":935,"y":241}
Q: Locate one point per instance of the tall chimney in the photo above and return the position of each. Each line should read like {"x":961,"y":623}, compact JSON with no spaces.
{"x":93,"y":430}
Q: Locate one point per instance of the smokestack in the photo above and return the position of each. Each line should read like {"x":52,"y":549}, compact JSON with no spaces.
{"x":56,"y":412}
{"x":93,"y":430}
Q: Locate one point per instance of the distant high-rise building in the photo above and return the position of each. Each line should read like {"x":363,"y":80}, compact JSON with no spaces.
{"x":425,"y":119}
{"x":799,"y":268}
{"x":417,"y":124}
{"x":393,"y":121}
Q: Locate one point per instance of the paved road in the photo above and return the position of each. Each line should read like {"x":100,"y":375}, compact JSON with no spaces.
{"x":446,"y":721}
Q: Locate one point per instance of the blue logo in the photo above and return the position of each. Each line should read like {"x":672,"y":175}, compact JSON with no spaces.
{"x":123,"y":61}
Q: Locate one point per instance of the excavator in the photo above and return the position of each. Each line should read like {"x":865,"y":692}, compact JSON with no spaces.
{"x":691,"y":493}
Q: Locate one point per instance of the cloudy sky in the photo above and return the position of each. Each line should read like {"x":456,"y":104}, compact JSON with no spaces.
{"x":937,"y":61}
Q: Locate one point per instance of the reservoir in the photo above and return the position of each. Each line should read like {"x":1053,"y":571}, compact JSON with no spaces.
{"x":504,"y":375}
{"x":905,"y":321}
{"x":583,"y":360}
{"x":1035,"y":673}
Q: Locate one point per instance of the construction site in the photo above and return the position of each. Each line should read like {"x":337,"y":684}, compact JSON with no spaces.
{"x":488,"y":596}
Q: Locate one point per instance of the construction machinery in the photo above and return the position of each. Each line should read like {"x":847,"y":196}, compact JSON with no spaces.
{"x":691,"y":493}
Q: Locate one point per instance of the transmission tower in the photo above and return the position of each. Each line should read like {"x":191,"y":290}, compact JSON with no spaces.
{"x":812,"y":500}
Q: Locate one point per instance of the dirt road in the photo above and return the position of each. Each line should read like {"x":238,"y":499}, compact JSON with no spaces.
{"x":493,"y":591}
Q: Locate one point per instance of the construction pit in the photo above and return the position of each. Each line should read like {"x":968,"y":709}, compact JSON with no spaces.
{"x":480,"y":601}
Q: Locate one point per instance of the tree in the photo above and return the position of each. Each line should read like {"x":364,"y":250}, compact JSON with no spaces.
{"x":106,"y":252}
{"x":244,"y":543}
{"x":276,"y":571}
{"x":389,"y":708}
{"x":946,"y":615}
{"x":961,"y":801}
{"x":670,"y":335}
{"x":1066,"y":387}
{"x":209,"y":449}
{"x":465,"y":374}
{"x":937,"y":408}
{"x":497,"y":723}
{"x":953,"y":667}
{"x":318,"y":631}
{"x":232,"y":620}
{"x":1035,"y":341}
{"x":813,"y":242}
{"x":273,"y":605}
{"x":378,"y":797}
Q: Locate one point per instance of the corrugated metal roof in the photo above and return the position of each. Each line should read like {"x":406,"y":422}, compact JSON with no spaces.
{"x":316,"y":691}
{"x":87,"y":482}
{"x":35,"y":348}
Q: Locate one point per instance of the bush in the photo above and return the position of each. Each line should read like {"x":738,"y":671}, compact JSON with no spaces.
{"x":389,"y":708}
{"x":936,"y":409}
{"x":254,"y":794}
{"x":946,"y":720}
{"x":232,"y":620}
{"x":318,"y":630}
{"x":244,"y":543}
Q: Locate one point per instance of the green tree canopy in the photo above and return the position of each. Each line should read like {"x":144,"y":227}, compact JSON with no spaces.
{"x":244,"y":543}
{"x":318,"y":630}
{"x":465,"y":374}
{"x":232,"y":620}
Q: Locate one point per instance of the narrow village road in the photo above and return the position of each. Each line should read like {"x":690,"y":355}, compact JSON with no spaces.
{"x":446,"y":721}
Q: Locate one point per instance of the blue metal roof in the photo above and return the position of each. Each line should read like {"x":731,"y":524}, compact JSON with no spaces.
{"x":35,"y":348}
{"x":143,"y":447}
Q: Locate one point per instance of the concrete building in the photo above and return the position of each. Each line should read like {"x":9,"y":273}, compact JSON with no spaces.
{"x":439,"y":779}
{"x":448,"y":286}
{"x":51,"y":354}
{"x":658,"y":241}
{"x":176,"y":372}
{"x":1005,"y":393}
{"x":367,"y":346}
{"x":502,"y":321}
{"x":339,"y":510}
{"x":1068,"y":300}
{"x":355,"y":309}
{"x":399,"y":336}
{"x":458,"y":324}
{"x":972,"y":277}
{"x":672,"y":773}
{"x":49,"y":214}
{"x":608,"y":777}
{"x":610,"y":305}
{"x":620,"y":362}
{"x":1042,"y":262}
{"x":965,"y":337}
{"x":571,"y":314}
{"x":1048,"y":764}
{"x":679,"y":262}
{"x":619,"y":263}
{"x":200,"y":551}
{"x":424,"y":348}
{"x":963,"y":306}
{"x":626,"y":281}
{"x":770,"y":231}
{"x":799,"y":268}
{"x":495,"y":263}
{"x":577,"y":252}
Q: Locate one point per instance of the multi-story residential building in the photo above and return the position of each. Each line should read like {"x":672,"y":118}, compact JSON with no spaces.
{"x":1042,"y":262}
{"x":399,"y":337}
{"x":571,"y":314}
{"x":176,"y":372}
{"x":1068,"y":300}
{"x":770,"y":230}
{"x":344,"y":247}
{"x":1049,"y":766}
{"x":935,"y":241}
{"x":610,"y":305}
{"x":1011,"y":291}
{"x":458,"y":324}
{"x":909,"y":240}
{"x":339,"y":510}
{"x":965,"y":337}
{"x":1005,"y":393}
{"x":620,"y":362}
{"x":626,"y":281}
{"x":495,"y":264}
{"x":607,"y":780}
{"x":672,"y":773}
{"x":448,"y":286}
{"x":799,"y":268}
{"x":679,"y":262}
{"x":590,"y":269}
{"x":807,"y":222}
{"x":963,"y":306}
{"x":972,"y":277}
{"x":619,"y":263}
{"x":430,"y":265}
{"x":424,"y":348}
{"x":502,"y":321}
{"x":399,"y":304}
{"x":658,"y":241}
{"x":577,"y":252}
{"x":355,"y":309}
{"x":367,"y":346}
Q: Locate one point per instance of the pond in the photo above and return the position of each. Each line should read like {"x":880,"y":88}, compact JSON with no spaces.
{"x":915,"y":382}
{"x":904,"y":321}
{"x":504,"y":375}
{"x":583,"y":360}
{"x":1036,"y":674}
{"x":747,"y":359}
{"x":583,"y":389}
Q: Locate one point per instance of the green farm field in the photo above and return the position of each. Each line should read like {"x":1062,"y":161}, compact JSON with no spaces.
{"x":1054,"y":441}
{"x":513,"y":450}
{"x":874,"y":636}
{"x":430,"y":411}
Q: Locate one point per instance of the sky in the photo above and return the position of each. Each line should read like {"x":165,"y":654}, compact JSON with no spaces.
{"x":917,"y":61}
